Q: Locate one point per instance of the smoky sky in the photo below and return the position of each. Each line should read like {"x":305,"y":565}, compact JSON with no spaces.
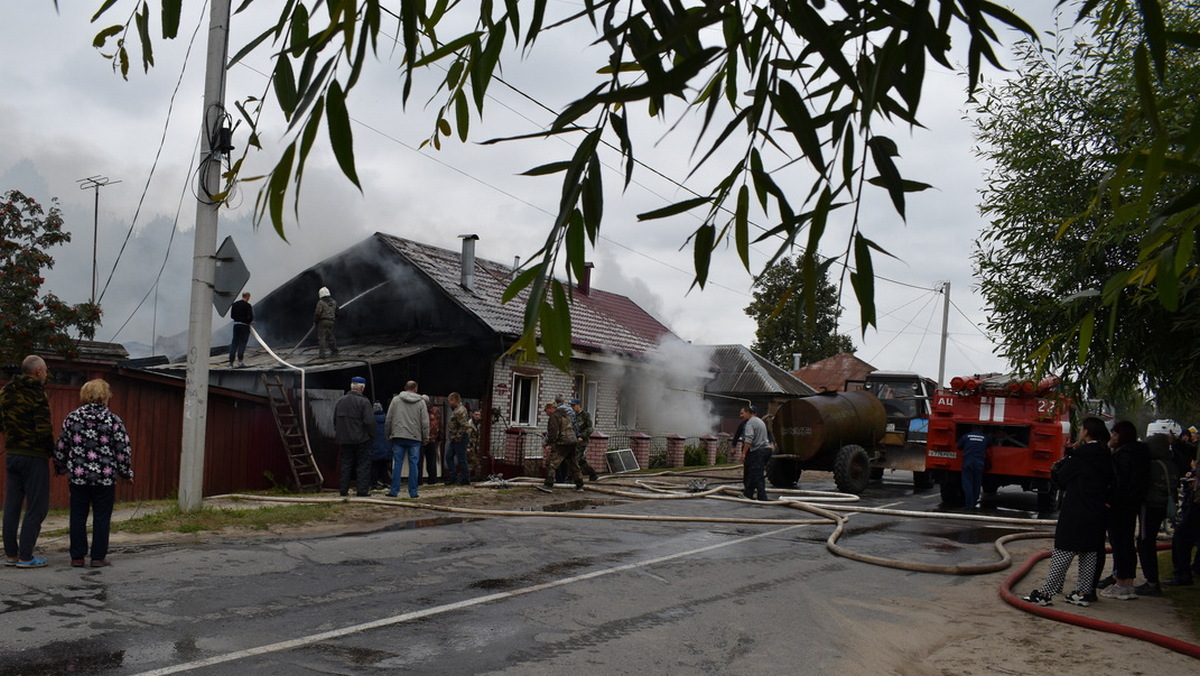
{"x":70,"y":117}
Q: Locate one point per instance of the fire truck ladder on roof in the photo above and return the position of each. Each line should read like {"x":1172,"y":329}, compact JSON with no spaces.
{"x":295,"y":443}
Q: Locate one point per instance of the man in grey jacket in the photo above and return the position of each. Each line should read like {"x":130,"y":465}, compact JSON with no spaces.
{"x":407,"y":425}
{"x":354,"y":429}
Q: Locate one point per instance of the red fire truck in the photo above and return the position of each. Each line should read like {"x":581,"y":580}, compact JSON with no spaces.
{"x":1027,"y":423}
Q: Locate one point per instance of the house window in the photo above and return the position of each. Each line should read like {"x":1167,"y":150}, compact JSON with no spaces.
{"x":591,"y":395}
{"x":626,"y":410}
{"x":524,"y":400}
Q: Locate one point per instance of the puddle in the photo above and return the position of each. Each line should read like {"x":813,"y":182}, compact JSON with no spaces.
{"x":576,"y":505}
{"x":418,"y":523}
{"x":974,"y":536}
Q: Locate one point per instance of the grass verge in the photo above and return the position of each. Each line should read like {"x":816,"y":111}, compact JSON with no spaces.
{"x":169,"y":518}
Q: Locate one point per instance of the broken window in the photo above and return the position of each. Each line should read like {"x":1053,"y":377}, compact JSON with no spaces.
{"x":524,"y":400}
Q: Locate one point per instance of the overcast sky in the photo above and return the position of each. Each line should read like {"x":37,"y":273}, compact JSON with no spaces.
{"x":67,"y":116}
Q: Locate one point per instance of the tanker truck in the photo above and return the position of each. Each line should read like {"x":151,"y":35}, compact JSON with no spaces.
{"x":878,"y":423}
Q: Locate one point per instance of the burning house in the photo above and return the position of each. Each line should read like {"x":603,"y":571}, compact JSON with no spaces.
{"x":410,"y":311}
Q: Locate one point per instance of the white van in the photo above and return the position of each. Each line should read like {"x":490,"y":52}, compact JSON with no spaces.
{"x":1163,"y":426}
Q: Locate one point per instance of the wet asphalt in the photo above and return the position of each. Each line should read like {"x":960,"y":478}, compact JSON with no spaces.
{"x":528,"y":595}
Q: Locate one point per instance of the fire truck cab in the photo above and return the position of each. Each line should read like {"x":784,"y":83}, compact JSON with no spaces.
{"x":1028,"y":426}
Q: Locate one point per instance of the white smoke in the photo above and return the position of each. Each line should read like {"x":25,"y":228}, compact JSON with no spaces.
{"x":667,"y":389}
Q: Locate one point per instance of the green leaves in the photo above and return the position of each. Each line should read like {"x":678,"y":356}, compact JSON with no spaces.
{"x":30,"y":320}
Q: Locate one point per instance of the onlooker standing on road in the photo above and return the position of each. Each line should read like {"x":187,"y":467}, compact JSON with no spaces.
{"x":1086,"y":479}
{"x":1131,"y":467}
{"x":756,"y":452}
{"x":354,"y":429}
{"x":974,"y":446}
{"x":29,"y":443}
{"x":1185,"y":538}
{"x":560,"y":447}
{"x":242,"y":314}
{"x":1160,"y":501}
{"x":408,"y":427}
{"x":431,"y":450}
{"x":381,"y":450}
{"x":324,"y":316}
{"x":585,"y":427}
{"x":458,"y":436}
{"x":93,"y":451}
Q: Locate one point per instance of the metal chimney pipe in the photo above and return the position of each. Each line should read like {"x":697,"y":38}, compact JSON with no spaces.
{"x":585,"y":282}
{"x":795,"y":361}
{"x":468,"y":262}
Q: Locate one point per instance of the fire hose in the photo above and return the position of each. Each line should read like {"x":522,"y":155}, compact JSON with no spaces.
{"x":825,"y":505}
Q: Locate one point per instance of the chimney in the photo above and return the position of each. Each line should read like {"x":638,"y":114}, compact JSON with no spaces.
{"x":468,"y":262}
{"x":585,"y":282}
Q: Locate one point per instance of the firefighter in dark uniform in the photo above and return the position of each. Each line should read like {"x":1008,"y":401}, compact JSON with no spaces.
{"x":583,"y":423}
{"x":974,"y":445}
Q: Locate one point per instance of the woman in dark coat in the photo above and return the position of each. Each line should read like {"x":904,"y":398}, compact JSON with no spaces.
{"x":1086,"y":479}
{"x":1131,"y":465}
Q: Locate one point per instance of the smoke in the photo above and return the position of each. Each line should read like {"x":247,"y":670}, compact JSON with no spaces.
{"x":667,"y":389}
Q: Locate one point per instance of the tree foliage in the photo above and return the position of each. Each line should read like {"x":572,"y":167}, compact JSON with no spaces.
{"x":1088,"y":260}
{"x":793,"y":98}
{"x":786,"y":326}
{"x":29,"y":323}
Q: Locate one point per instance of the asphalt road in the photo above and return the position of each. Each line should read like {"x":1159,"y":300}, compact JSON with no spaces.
{"x":527,"y":595}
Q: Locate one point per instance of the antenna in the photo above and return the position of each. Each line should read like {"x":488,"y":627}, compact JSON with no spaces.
{"x":95,"y":183}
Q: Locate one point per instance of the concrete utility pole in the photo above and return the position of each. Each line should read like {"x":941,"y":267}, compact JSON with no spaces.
{"x":945,"y":333}
{"x":195,"y":402}
{"x":95,"y":183}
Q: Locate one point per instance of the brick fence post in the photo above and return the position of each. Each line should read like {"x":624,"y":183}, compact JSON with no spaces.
{"x":675,"y":450}
{"x":640,"y":443}
{"x":710,"y":445}
{"x":596,"y":452}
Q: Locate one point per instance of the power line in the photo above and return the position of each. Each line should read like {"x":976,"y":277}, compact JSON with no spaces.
{"x":157,"y":155}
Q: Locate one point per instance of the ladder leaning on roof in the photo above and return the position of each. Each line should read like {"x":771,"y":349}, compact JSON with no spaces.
{"x":295,"y":443}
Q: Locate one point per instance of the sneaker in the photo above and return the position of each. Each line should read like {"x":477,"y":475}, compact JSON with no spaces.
{"x":1091,"y":597}
{"x":1148,"y":589}
{"x":544,"y":488}
{"x":10,"y":562}
{"x":1077,"y":599}
{"x":35,"y":562}
{"x":1177,"y":582}
{"x":1107,"y":582}
{"x":1119,"y":592}
{"x":1037,"y":597}
{"x":77,"y":563}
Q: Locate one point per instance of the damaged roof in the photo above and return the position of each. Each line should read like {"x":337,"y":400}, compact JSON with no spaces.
{"x":744,"y":371}
{"x":832,"y":373}
{"x":600,"y":321}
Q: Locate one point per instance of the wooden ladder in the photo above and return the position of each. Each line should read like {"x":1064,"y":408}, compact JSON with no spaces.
{"x":300,"y":457}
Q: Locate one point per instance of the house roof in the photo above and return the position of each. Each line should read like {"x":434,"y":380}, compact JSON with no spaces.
{"x":600,"y":321}
{"x":832,"y":373}
{"x":743,"y":371}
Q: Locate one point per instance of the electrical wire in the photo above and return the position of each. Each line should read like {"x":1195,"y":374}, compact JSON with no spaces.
{"x":157,"y":155}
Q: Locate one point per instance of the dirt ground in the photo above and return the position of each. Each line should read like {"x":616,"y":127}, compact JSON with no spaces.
{"x":966,"y":629}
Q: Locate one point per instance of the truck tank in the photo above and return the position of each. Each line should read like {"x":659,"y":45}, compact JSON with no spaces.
{"x":814,"y":428}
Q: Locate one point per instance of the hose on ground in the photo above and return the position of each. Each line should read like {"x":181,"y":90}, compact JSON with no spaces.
{"x":1006,"y":593}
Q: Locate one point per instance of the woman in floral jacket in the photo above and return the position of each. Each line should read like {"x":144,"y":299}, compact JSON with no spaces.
{"x":93,"y":450}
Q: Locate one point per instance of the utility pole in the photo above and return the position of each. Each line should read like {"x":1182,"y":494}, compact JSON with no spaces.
{"x":945,"y":333}
{"x":95,"y":183}
{"x":214,"y":138}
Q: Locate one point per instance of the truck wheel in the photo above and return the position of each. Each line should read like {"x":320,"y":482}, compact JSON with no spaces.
{"x":952,"y":492}
{"x":783,"y":471}
{"x":1047,"y":501}
{"x":851,"y":469}
{"x":922,"y":481}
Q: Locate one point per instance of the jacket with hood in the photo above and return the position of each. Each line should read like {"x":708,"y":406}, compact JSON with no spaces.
{"x":326,"y":310}
{"x":407,"y":418}
{"x":25,"y":418}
